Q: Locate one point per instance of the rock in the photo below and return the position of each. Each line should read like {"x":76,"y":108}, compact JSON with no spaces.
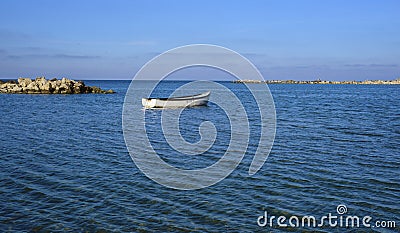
{"x":42,"y":86}
{"x":53,"y":84}
{"x":88,"y":90}
{"x":65,"y":89}
{"x":31,"y":86}
{"x":65,"y":80}
{"x":96,"y":90}
{"x":47,"y":88}
{"x":17,"y":89}
{"x":23,"y":82}
{"x":11,"y":85}
{"x":40,"y":80}
{"x":56,"y":90}
{"x":78,"y":88}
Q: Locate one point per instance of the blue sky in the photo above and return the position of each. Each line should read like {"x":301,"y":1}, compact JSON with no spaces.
{"x":288,"y":39}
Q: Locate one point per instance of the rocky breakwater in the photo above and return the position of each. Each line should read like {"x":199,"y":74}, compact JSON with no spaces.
{"x":41,"y":85}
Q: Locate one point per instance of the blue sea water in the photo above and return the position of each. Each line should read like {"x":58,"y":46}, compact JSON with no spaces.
{"x":64,"y":165}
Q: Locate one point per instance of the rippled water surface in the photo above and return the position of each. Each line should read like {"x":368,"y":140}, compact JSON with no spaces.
{"x":65,"y":167}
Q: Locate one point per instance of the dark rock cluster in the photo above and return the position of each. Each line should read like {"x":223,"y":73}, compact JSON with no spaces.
{"x":41,"y":85}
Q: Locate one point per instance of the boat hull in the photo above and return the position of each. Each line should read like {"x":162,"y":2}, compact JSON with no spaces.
{"x":177,"y":102}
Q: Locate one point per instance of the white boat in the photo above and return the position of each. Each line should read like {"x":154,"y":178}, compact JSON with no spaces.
{"x":177,"y":102}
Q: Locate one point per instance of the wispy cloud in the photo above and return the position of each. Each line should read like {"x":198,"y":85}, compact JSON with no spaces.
{"x":294,"y":67}
{"x":68,"y":56}
{"x":7,"y":35}
{"x":141,"y":43}
{"x":31,"y":49}
{"x":253,"y":55}
{"x":371,"y":65}
{"x":54,"y":56}
{"x":14,"y":57}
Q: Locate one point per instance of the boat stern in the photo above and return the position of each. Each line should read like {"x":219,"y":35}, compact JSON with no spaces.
{"x":148,"y":103}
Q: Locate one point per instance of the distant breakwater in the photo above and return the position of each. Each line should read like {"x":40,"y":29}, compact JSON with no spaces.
{"x":41,"y":85}
{"x":387,"y":82}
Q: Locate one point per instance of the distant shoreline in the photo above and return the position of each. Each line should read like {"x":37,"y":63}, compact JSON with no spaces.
{"x":366,"y":82}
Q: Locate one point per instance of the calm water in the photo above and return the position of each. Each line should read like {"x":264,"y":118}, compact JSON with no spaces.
{"x":65,"y":167}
